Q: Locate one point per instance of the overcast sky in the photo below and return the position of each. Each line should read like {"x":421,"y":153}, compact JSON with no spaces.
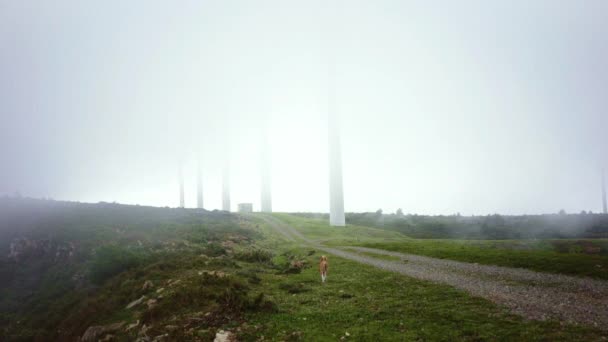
{"x":445,"y":106}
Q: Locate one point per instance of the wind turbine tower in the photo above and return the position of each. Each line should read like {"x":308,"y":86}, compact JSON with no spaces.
{"x":199,"y":186}
{"x":266,"y":192}
{"x":182,"y":200}
{"x":336,"y":191}
{"x":226,"y":187}
{"x":604,"y":204}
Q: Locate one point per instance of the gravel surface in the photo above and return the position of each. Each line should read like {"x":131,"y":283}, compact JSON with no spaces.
{"x":534,"y":295}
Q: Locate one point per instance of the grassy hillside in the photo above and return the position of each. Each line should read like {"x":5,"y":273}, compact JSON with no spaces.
{"x":127,"y":272}
{"x":65,"y":266}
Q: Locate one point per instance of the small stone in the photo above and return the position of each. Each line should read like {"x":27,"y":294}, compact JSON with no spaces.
{"x":160,"y":338}
{"x":151,"y":303}
{"x":144,"y":329}
{"x":147,"y":285}
{"x":223,"y":336}
{"x":108,"y":337}
{"x":136,"y":302}
{"x":132,"y":325}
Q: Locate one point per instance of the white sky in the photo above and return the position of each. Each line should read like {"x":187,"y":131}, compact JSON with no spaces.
{"x":445,"y":106}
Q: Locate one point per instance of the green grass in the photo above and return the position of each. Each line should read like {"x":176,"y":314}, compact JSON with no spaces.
{"x":552,"y":256}
{"x":375,"y":305}
{"x":320,"y":231}
{"x":258,"y":292}
{"x":537,"y":258}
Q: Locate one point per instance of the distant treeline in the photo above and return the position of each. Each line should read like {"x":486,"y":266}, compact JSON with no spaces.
{"x":494,"y":227}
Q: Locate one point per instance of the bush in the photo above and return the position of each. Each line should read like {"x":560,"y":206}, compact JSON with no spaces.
{"x":214,"y":250}
{"x":110,"y":261}
{"x":254,"y":255}
{"x":294,"y":288}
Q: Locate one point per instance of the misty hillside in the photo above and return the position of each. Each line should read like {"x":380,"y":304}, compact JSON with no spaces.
{"x":550,"y":226}
{"x":58,"y":258}
{"x":110,"y":272}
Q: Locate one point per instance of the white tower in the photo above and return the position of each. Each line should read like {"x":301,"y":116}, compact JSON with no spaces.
{"x":182,"y":201}
{"x":266,"y":192}
{"x":199,"y":186}
{"x":336,"y":191}
{"x":604,"y":204}
{"x":226,"y":186}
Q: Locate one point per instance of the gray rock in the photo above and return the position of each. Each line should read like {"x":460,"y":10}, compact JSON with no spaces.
{"x":224,"y":336}
{"x":136,"y":302}
{"x":94,"y":333}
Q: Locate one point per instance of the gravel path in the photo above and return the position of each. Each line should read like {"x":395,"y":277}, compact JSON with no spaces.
{"x":531,"y":294}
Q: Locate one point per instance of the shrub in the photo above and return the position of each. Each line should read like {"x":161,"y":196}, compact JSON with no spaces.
{"x":294,"y":288}
{"x":254,"y":255}
{"x":110,"y":261}
{"x":260,"y":303}
{"x":214,"y":250}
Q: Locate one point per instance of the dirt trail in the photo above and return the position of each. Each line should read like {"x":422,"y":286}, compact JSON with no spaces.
{"x":534,"y":295}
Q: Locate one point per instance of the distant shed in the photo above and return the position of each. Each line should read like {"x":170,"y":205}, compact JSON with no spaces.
{"x":245,"y":207}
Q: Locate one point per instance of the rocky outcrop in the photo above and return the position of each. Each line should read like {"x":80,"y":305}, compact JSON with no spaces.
{"x":100,"y":332}
{"x":23,"y":247}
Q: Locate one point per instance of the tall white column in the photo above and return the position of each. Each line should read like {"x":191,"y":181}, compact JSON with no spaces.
{"x":604,"y":204}
{"x":199,"y":186}
{"x":266,"y":192}
{"x":336,"y":191}
{"x":226,"y":186}
{"x":182,"y":201}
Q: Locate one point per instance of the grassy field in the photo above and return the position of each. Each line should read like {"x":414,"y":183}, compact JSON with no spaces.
{"x":540,"y":256}
{"x":584,"y":257}
{"x":370,"y":304}
{"x":200,"y":272}
{"x":322,"y":232}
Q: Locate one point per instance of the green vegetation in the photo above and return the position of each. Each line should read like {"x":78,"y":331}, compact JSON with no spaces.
{"x":586,"y":257}
{"x":318,"y":230}
{"x":186,"y":274}
{"x":492,"y":227}
{"x":374,"y":305}
{"x":254,"y":255}
{"x":109,"y":261}
{"x":562,"y":256}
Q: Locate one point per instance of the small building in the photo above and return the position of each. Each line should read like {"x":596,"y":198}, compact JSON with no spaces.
{"x":245,"y":207}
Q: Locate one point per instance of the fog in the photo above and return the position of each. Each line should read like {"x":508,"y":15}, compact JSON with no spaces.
{"x":474,"y":107}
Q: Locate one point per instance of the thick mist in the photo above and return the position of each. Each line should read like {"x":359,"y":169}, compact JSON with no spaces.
{"x":444,"y":107}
